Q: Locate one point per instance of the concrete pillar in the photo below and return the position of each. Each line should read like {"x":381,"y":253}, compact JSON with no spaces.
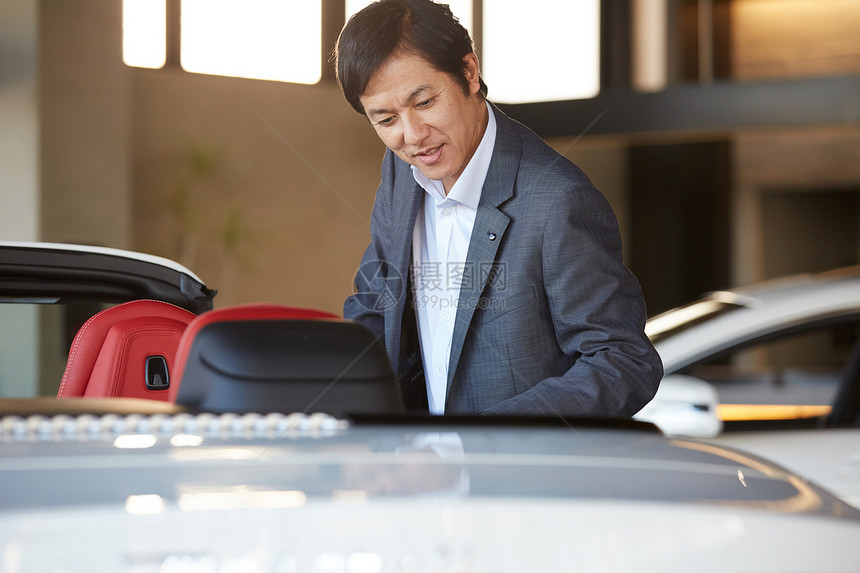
{"x":84,"y":110}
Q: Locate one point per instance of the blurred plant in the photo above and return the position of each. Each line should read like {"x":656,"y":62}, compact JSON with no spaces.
{"x":206,"y":212}
{"x":233,"y":227}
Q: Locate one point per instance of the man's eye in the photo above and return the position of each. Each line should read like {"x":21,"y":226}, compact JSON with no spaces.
{"x":385,"y":122}
{"x":425,"y":103}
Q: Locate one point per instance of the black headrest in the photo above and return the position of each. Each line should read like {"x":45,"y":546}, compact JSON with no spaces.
{"x":332,"y":366}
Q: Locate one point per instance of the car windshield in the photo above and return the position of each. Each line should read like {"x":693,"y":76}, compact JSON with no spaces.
{"x":679,"y":319}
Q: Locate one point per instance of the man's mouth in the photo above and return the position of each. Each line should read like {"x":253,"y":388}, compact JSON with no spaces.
{"x":429,"y":156}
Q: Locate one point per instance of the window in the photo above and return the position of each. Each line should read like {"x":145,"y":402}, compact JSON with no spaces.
{"x":794,"y":376}
{"x":259,"y":39}
{"x":547,"y":51}
{"x":550,"y":51}
{"x":144,"y":36}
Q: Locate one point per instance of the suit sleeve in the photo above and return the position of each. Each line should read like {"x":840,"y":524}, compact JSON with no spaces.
{"x":370,"y":287}
{"x":598,"y":315}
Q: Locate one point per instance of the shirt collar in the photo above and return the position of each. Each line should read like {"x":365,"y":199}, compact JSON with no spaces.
{"x":467,"y":189}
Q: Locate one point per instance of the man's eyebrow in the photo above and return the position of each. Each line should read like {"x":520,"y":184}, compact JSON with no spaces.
{"x":415,"y":93}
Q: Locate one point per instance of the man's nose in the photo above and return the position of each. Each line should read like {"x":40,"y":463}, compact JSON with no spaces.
{"x":414,"y":130}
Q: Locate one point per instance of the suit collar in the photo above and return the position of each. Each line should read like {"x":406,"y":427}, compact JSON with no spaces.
{"x":499,"y":184}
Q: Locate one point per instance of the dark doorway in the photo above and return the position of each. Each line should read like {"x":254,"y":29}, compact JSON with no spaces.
{"x":810,"y":231}
{"x":680,"y":209}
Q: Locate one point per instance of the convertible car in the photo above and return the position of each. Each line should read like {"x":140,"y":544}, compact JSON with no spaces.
{"x":265,"y":438}
{"x":158,"y":491}
{"x":49,"y":291}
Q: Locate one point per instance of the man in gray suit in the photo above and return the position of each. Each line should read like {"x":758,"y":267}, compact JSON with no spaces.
{"x":494,"y":272}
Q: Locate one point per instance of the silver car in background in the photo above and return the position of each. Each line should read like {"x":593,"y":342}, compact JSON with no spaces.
{"x":774,"y":369}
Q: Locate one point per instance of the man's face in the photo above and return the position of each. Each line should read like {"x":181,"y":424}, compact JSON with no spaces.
{"x":424,"y":116}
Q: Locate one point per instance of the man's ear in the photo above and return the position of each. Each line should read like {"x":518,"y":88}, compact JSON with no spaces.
{"x":472,"y":72}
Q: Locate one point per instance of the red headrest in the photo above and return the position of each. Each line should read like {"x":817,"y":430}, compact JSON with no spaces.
{"x":112,"y":351}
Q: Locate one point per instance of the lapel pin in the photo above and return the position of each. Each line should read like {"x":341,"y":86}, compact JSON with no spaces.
{"x":491,"y":235}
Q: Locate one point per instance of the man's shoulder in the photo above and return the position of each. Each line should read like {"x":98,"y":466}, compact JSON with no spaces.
{"x":538,"y":158}
{"x":536,"y":152}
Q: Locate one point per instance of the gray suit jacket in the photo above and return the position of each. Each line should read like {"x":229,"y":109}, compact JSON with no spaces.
{"x":552,"y":322}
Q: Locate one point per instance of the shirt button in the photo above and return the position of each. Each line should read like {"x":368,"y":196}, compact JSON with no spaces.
{"x":438,"y":368}
{"x":447,"y":317}
{"x":446,"y":212}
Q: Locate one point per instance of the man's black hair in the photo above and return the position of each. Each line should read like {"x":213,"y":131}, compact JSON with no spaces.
{"x":383,"y":28}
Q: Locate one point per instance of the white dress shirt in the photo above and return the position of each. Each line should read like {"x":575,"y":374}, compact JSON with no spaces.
{"x":440,"y":242}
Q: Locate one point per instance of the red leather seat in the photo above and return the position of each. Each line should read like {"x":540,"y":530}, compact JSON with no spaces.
{"x":126,"y":351}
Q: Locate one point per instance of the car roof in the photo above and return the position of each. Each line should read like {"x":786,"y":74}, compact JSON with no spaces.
{"x":39,"y":272}
{"x":728,"y":318}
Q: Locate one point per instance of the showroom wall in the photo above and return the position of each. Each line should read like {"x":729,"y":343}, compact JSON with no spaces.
{"x":796,"y":192}
{"x":19,"y":135}
{"x":797,"y":202}
{"x":263,"y":188}
{"x":84,"y":114}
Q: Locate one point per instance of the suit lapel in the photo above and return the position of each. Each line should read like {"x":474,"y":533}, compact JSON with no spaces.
{"x":487,"y":234}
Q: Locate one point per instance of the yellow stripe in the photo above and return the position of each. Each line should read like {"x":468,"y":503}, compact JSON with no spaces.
{"x":739,"y":412}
